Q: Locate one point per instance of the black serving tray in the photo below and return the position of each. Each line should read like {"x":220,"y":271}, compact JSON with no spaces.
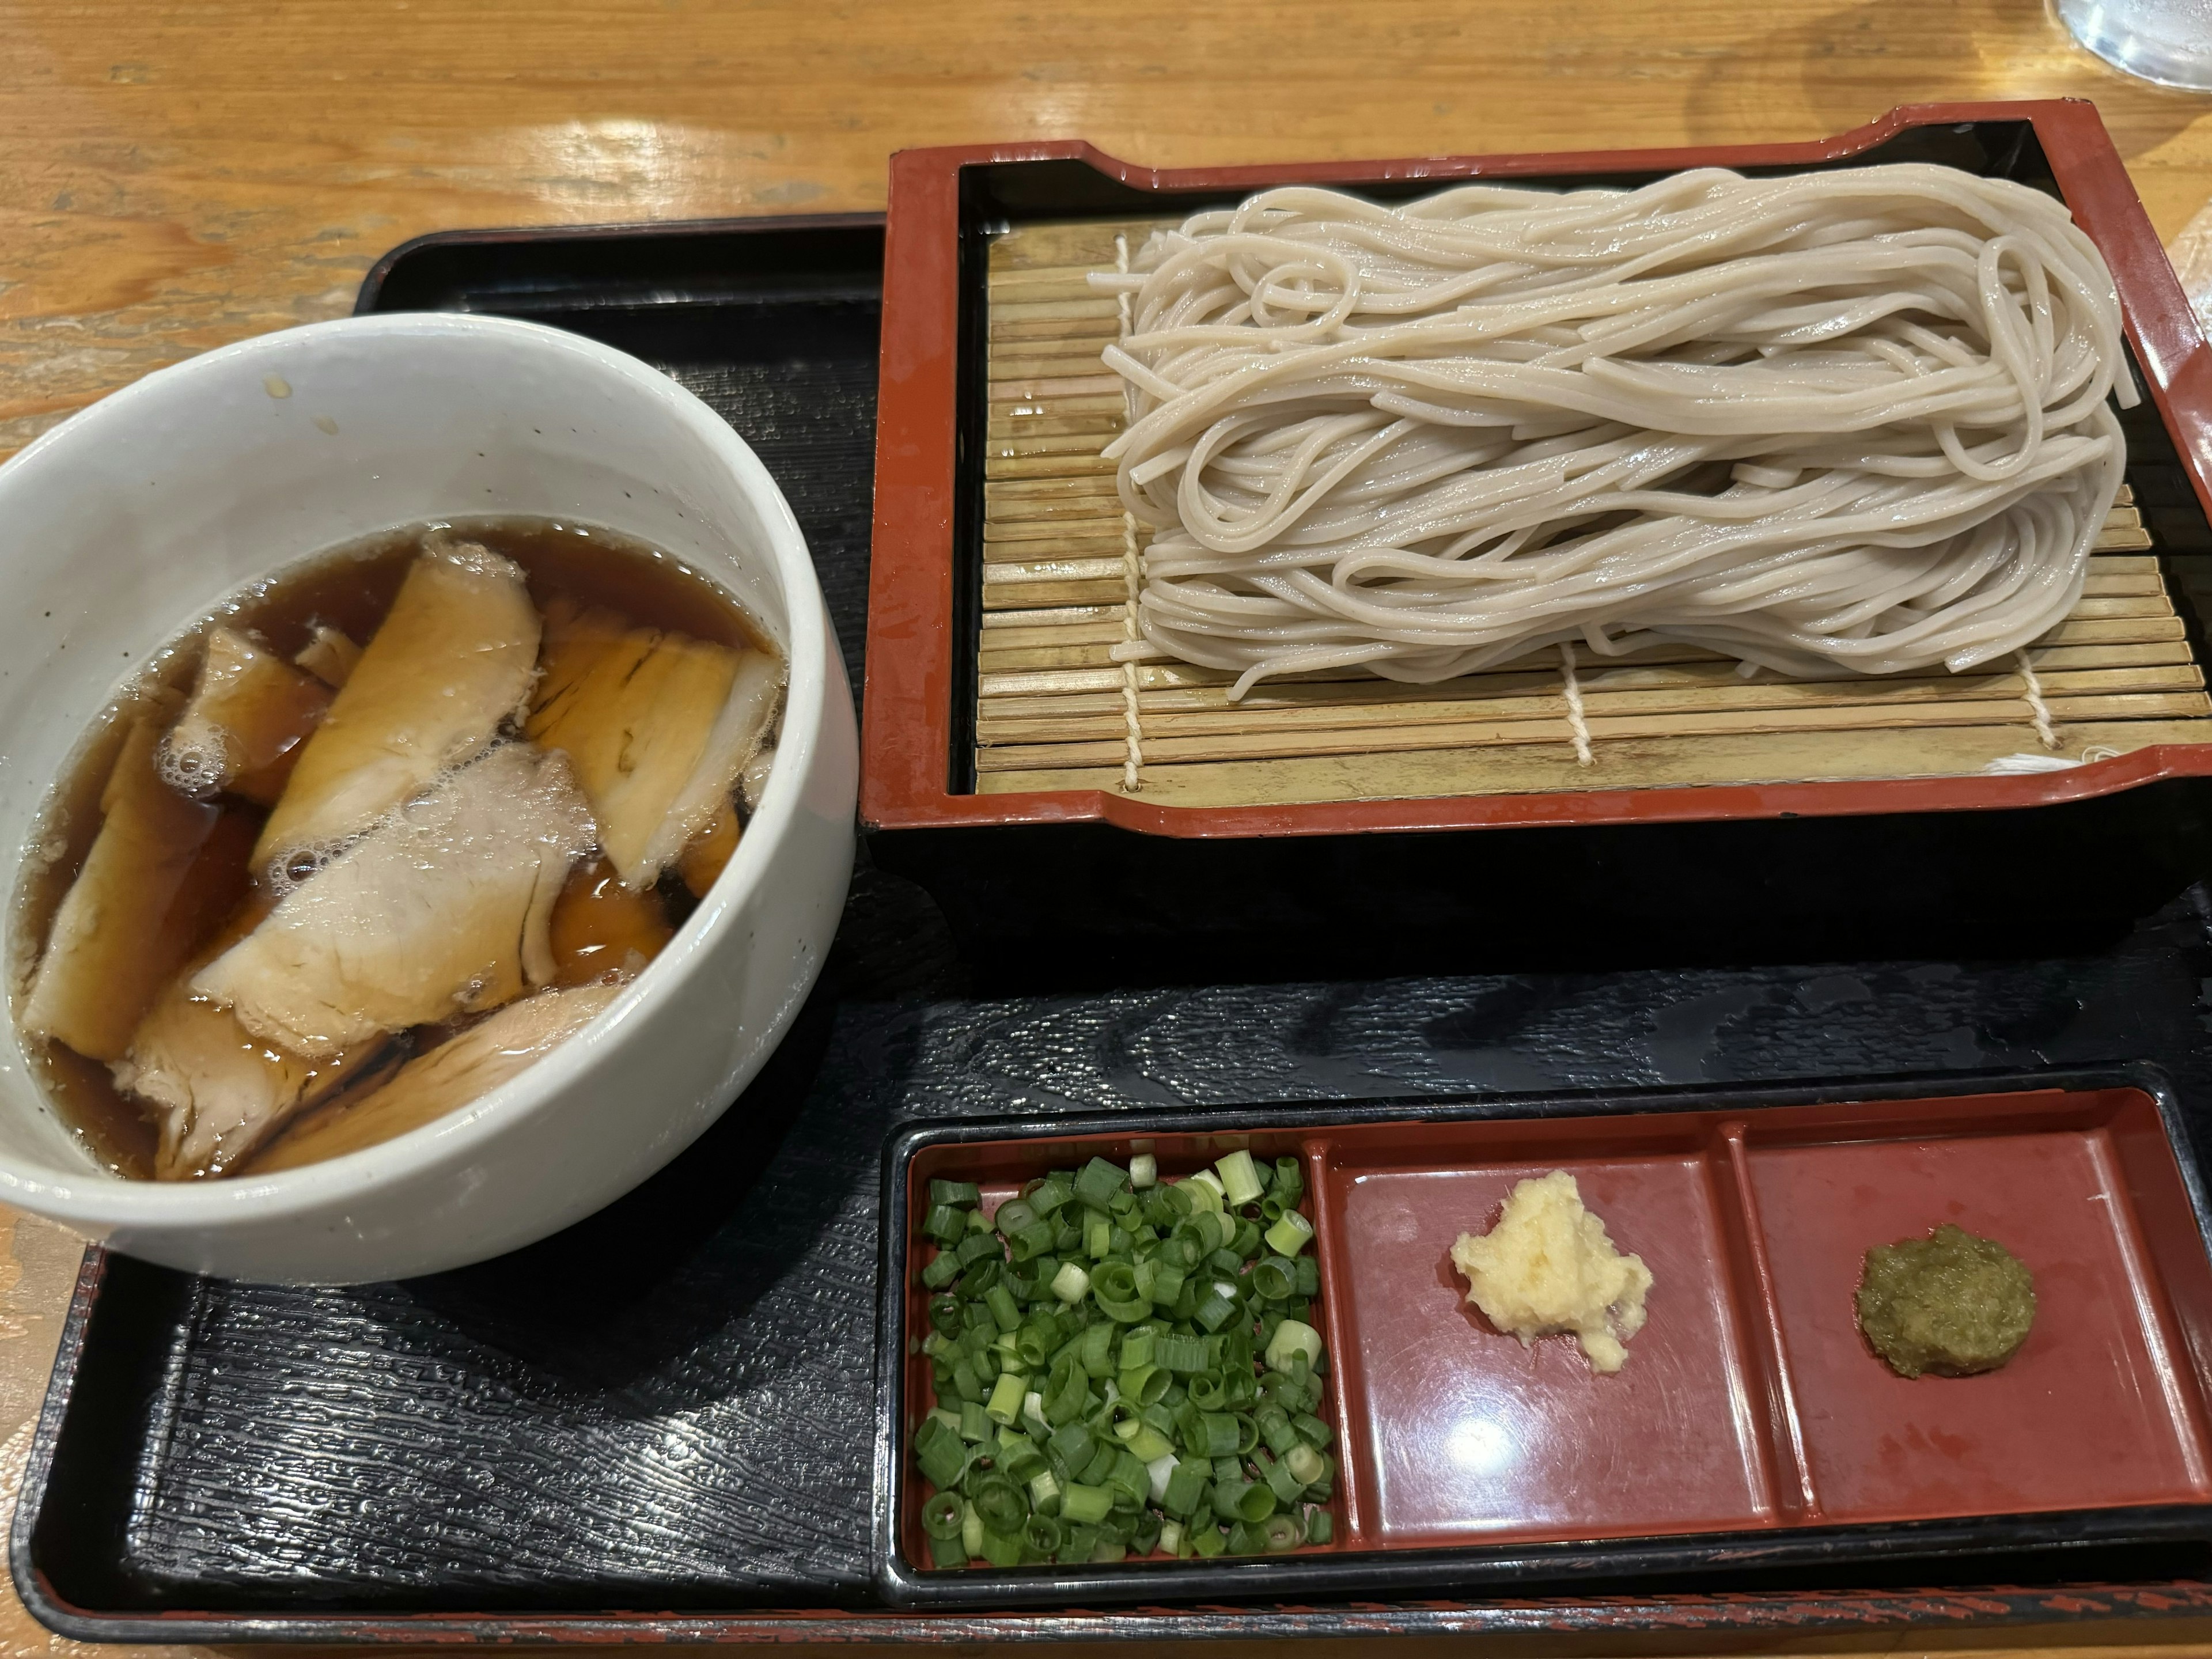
{"x":661,"y":1424}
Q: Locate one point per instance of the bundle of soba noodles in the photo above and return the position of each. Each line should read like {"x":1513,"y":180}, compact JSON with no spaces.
{"x":1852,"y":420}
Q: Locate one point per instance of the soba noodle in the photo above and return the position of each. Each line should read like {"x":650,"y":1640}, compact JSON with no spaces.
{"x":1854,"y":419}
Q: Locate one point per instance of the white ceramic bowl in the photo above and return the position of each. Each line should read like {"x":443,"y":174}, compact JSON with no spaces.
{"x":125,"y":522}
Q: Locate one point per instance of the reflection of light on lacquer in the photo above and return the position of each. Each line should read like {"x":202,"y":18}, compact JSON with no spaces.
{"x":1482,"y":1445}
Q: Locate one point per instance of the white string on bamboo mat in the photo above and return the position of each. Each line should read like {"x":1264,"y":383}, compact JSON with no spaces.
{"x":2039,"y":710}
{"x":1572,"y":687}
{"x":1133,"y":578}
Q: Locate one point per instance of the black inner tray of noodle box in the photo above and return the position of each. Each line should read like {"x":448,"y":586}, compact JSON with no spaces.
{"x":662,"y":1424}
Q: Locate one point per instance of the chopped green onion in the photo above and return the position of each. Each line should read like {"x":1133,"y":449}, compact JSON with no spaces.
{"x":1217,"y":1308}
{"x":947,"y":1552}
{"x":1032,"y":1242}
{"x":1291,"y":1340}
{"x":1289,"y":1235}
{"x":940,"y":1516}
{"x":1005,"y":1403}
{"x":943,"y":1460}
{"x":1097,"y":1351}
{"x":1239,"y":1184}
{"x":1088,"y":1409}
{"x":1286,"y":1482}
{"x":1185,"y":1484}
{"x":1158,"y":1471}
{"x":998,"y":1501}
{"x":1320,"y":1529}
{"x":1205,"y":1190}
{"x":1098,"y":1182}
{"x":1086,"y":1504}
{"x":1275,"y":1278}
{"x":1149,"y":1444}
{"x":1071,"y":1283}
{"x":1114,"y":1287}
{"x":1217,"y":1434}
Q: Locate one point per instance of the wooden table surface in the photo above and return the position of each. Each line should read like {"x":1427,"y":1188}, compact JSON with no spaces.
{"x":174,"y":177}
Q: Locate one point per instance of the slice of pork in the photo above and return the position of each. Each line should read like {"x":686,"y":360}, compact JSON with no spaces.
{"x":241,"y":732}
{"x":746,"y":723}
{"x":440,"y":909}
{"x":636,"y":708}
{"x":453,"y":659}
{"x":446,"y":1078}
{"x":161,"y":875}
{"x":218,"y":1091}
{"x":330,"y":656}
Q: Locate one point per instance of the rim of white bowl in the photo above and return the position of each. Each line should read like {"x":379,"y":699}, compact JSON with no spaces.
{"x":101,"y":1200}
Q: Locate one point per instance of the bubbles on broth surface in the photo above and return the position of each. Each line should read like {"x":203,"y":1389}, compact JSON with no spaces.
{"x":376,"y":832}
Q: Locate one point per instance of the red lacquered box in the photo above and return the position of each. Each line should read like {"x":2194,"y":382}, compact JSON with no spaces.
{"x":919,"y":775}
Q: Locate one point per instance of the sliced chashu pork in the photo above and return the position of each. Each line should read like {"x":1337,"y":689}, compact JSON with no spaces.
{"x":330,"y":656}
{"x":217,"y":1090}
{"x":161,"y":875}
{"x":446,"y":1078}
{"x":250,"y":713}
{"x":440,"y":909}
{"x":659,"y":725}
{"x":453,"y":659}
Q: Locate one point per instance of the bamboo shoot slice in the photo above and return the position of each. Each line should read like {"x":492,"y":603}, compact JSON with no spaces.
{"x":453,"y":660}
{"x":159,"y":876}
{"x":444,"y":1080}
{"x":242,"y":730}
{"x":441,"y":909}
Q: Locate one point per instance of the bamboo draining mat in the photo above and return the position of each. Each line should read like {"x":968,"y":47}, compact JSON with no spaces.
{"x":1061,"y":575}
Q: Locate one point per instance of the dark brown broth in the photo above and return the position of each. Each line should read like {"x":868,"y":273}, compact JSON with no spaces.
{"x":349,"y":588}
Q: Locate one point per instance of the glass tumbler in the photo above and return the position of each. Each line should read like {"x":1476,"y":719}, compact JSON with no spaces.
{"x":2166,"y":41}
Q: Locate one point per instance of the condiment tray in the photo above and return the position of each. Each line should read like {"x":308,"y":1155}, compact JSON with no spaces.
{"x":1750,"y":1415}
{"x":664,"y":1425}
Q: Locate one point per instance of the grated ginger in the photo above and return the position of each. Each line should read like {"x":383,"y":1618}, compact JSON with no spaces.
{"x":1548,"y":1266}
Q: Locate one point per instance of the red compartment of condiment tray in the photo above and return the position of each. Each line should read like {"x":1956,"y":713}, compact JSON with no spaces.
{"x":924,"y":587}
{"x":1751,"y":1420}
{"x":1750,"y":1402}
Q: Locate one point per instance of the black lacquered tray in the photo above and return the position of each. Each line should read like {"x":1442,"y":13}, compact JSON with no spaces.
{"x":662,"y":1424}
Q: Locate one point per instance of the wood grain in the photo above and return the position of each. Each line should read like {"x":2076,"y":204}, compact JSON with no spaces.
{"x":175,"y":176}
